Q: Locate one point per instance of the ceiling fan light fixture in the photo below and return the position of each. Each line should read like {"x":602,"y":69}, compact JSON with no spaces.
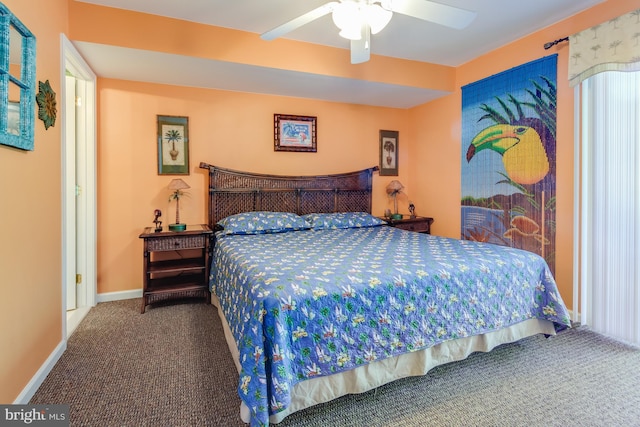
{"x":351,"y":33}
{"x":347,"y":16}
{"x":377,"y":17}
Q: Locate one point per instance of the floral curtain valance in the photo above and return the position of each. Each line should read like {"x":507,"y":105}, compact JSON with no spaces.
{"x":611,"y":46}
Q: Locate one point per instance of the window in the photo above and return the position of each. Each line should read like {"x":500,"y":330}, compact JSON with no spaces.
{"x":17,"y":82}
{"x":610,"y":204}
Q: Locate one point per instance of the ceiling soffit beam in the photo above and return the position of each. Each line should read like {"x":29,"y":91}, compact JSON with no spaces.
{"x":94,"y":24}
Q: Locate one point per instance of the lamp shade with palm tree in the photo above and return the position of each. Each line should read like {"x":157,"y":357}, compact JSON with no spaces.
{"x":177,"y":185}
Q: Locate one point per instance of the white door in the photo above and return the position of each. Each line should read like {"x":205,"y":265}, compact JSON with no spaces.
{"x":71,"y":212}
{"x":78,"y":186}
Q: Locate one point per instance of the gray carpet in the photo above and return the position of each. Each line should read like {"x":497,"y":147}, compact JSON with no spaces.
{"x":171,"y":367}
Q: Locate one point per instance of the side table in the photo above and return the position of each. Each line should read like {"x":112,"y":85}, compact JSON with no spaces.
{"x":176,"y":264}
{"x":419,"y":224}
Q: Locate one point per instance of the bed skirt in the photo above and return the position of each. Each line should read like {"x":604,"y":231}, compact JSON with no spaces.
{"x":367,"y":377}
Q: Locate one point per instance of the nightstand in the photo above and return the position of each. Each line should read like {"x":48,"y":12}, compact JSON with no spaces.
{"x":176,"y":264}
{"x":419,"y":224}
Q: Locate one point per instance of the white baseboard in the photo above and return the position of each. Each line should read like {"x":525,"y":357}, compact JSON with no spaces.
{"x":36,"y":381}
{"x":74,"y":318}
{"x":117,"y":296}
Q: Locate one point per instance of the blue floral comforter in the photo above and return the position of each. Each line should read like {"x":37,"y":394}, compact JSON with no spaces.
{"x":302,"y":304}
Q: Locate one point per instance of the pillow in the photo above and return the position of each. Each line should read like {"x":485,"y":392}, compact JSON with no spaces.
{"x":320,"y":221}
{"x":262,"y":222}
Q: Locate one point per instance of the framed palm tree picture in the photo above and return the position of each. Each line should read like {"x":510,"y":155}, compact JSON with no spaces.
{"x":173,"y":145}
{"x":389,"y":153}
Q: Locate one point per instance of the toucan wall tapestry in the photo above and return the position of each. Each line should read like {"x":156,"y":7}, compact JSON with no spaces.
{"x":509,"y":158}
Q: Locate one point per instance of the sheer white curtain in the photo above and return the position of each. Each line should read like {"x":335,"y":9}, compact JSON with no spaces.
{"x":603,"y":65}
{"x":610,"y":205}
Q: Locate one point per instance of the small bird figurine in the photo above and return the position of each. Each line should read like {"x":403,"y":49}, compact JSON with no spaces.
{"x":157,"y":213}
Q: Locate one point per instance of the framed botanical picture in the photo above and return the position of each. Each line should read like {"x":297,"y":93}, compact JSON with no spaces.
{"x":295,"y":133}
{"x":389,"y":153}
{"x":173,"y":145}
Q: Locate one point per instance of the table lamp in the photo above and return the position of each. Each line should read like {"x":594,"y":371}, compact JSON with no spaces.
{"x":177,"y":185}
{"x":393,"y":189}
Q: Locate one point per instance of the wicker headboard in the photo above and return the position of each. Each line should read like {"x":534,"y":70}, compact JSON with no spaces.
{"x":231,"y":192}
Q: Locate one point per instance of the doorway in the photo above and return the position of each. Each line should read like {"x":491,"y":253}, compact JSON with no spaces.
{"x":79,"y":279}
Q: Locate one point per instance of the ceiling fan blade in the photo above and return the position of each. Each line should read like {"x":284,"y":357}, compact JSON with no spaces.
{"x":301,"y":20}
{"x":442,"y":14}
{"x":361,"y":49}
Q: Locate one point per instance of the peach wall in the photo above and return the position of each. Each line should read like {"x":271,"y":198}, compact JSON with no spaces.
{"x":227,"y":129}
{"x":30,"y":261}
{"x":436,"y":131}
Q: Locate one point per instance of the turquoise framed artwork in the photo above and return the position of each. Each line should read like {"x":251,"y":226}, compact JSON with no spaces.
{"x":17,"y":82}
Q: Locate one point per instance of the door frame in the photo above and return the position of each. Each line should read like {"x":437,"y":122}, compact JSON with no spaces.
{"x":71,"y":58}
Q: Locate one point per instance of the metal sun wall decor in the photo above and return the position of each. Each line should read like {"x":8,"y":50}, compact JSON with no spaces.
{"x":46,"y":99}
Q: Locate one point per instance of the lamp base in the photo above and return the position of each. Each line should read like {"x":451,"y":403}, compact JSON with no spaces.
{"x":177,"y":227}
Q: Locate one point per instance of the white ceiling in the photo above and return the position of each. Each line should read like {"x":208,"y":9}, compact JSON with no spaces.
{"x":498,"y":23}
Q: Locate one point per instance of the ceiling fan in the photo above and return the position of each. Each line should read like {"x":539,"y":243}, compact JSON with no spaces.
{"x":358,"y":19}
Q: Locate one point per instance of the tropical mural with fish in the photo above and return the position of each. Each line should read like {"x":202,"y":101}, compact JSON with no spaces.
{"x":509,"y":159}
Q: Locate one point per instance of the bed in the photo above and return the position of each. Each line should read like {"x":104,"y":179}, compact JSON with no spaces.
{"x":318,"y":298}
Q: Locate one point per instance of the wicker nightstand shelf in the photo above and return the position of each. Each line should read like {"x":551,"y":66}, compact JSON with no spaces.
{"x":176,"y":264}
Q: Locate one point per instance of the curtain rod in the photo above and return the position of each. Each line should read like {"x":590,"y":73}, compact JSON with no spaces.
{"x":555,"y":42}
